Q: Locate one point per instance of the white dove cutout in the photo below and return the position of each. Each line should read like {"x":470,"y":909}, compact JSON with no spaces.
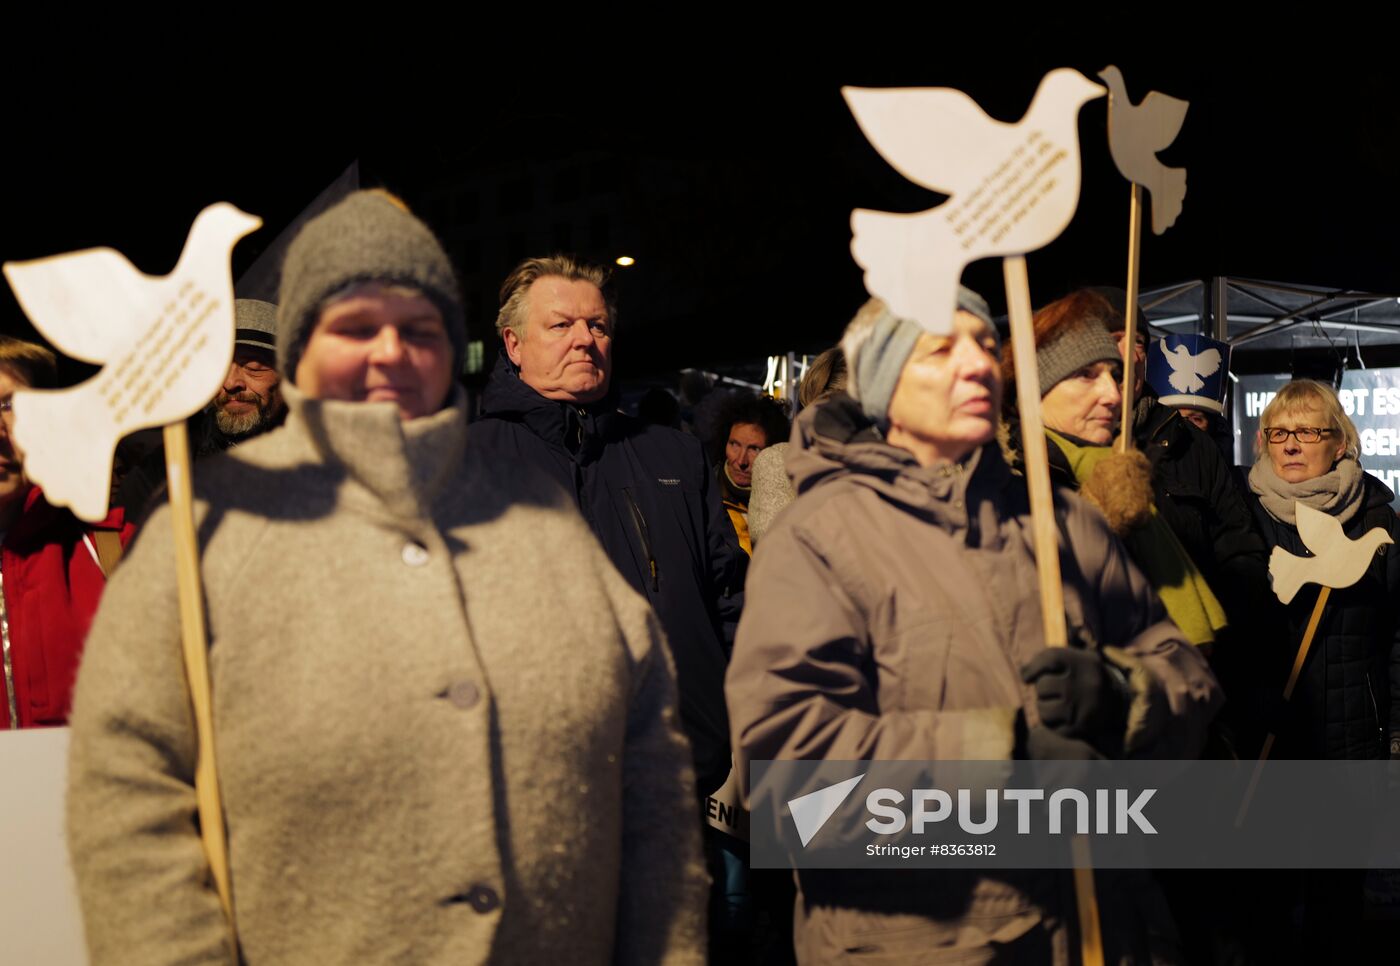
{"x":165,"y":344}
{"x":1136,"y":132}
{"x":1187,"y":369}
{"x":1013,"y":187}
{"x":1336,"y":561}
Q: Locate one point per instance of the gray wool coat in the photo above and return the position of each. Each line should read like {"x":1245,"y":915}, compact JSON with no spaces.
{"x":445,"y":727}
{"x":889,"y":610}
{"x":771,"y":491}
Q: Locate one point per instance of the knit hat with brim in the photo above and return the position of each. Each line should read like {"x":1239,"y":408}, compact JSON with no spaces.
{"x":255,"y":323}
{"x":368,"y":237}
{"x":1081,"y":344}
{"x":881,"y":355}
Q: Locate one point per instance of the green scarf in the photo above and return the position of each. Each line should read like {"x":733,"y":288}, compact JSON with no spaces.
{"x":1160,"y":556}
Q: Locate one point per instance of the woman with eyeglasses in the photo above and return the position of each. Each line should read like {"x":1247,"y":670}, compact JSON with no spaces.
{"x":1346,"y":703}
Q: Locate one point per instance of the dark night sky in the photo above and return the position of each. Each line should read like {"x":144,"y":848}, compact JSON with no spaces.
{"x":1292,"y":172}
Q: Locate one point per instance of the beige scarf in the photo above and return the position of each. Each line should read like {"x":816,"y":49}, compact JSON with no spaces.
{"x":1338,"y":492}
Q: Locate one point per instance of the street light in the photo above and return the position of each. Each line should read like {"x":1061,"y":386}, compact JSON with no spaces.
{"x":626,"y":261}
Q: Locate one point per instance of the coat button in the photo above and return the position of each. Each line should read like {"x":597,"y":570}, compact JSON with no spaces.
{"x":415,"y":555}
{"x":483,"y":899}
{"x":463,"y":694}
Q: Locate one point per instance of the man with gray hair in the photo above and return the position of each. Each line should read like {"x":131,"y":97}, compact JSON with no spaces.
{"x":644,"y":490}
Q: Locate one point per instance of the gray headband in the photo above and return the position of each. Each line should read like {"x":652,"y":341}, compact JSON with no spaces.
{"x":884,"y":352}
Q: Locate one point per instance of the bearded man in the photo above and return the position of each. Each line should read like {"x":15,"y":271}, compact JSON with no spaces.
{"x":248,"y":404}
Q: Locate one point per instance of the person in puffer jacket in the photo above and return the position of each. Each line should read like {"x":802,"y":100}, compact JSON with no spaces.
{"x":893,"y":614}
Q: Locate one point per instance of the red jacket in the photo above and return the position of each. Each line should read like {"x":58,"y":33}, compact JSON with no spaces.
{"x":52,"y":584}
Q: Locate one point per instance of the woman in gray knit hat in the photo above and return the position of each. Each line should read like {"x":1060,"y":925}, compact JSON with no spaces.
{"x":892,"y":614}
{"x":1080,"y":370}
{"x":385,"y":610}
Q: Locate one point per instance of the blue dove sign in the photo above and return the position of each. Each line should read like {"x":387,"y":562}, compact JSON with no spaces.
{"x":164,"y":345}
{"x":1189,"y":370}
{"x":1012,"y":187}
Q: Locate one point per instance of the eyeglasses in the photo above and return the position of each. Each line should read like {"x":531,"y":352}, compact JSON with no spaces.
{"x":1304,"y":434}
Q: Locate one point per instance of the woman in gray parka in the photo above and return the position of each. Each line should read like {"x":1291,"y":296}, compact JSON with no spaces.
{"x":892,"y":613}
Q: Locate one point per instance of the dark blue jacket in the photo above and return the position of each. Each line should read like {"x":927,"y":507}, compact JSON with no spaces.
{"x":647,"y":493}
{"x":1197,"y":497}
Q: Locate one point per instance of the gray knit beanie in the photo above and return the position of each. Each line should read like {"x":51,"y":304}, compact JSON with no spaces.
{"x":255,"y":323}
{"x":368,"y":237}
{"x":877,"y":344}
{"x":1081,"y":344}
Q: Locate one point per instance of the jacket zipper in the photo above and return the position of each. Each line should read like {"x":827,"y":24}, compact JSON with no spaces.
{"x":640,"y":523}
{"x":1375,"y":712}
{"x":11,"y":703}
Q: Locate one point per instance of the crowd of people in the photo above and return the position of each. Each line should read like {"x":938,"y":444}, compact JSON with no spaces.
{"x":473,"y":680}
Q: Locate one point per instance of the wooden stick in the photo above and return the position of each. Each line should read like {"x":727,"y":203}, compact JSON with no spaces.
{"x":1298,"y":659}
{"x":1044,"y":532}
{"x":1090,"y":928}
{"x":1308,"y":635}
{"x":1130,"y":319}
{"x":1047,"y":554}
{"x":194,"y":637}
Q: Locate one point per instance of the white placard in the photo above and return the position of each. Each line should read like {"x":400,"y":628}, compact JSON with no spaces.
{"x":39,"y":916}
{"x":1336,"y":561}
{"x":1013,"y":187}
{"x":1136,"y":132}
{"x":164,"y":344}
{"x":725,"y":810}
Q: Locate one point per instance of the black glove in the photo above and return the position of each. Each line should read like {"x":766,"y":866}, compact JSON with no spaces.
{"x":1079,"y":695}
